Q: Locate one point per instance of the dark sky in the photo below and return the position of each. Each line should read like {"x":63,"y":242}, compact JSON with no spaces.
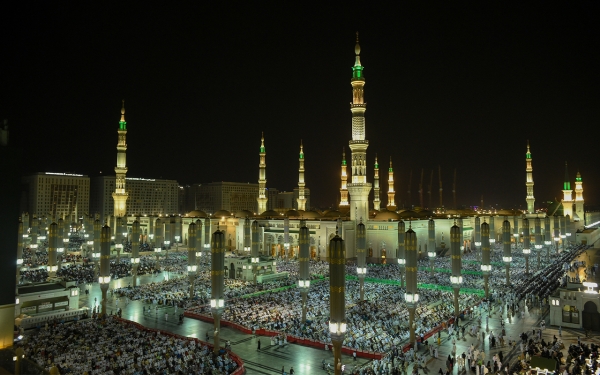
{"x":447,"y":85}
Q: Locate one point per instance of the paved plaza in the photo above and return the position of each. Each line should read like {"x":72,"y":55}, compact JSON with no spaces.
{"x":270,"y":359}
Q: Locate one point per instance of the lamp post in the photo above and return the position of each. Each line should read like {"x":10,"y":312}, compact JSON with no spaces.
{"x":516,"y":231}
{"x":104,"y":278}
{"x":486,"y":266}
{"x":411,"y":297}
{"x":198,"y":247}
{"x":207,"y":238}
{"x":456,"y":278}
{"x":547,"y":236}
{"x":492,"y":236}
{"x":135,"y":250}
{"x":255,"y":258}
{"x":526,"y":244}
{"x":477,"y":231}
{"x":538,"y":241}
{"x":286,"y":235}
{"x":507,"y":255}
{"x":217,"y":274}
{"x":361,"y":257}
{"x":556,"y":233}
{"x":52,"y":249}
{"x":118,"y":239}
{"x":192,"y":267}
{"x":303,"y":256}
{"x":247,"y":239}
{"x":401,"y":251}
{"x":431,"y":245}
{"x":337,"y":294}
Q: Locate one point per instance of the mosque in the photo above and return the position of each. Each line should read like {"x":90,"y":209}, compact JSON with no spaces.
{"x":279,"y":231}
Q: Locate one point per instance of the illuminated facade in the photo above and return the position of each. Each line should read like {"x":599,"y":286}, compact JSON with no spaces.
{"x":529,"y":182}
{"x":57,"y":195}
{"x":120,"y":194}
{"x":579,"y":212}
{"x":147,"y":196}
{"x":376,"y":196}
{"x":262,"y":178}
{"x":567,"y":201}
{"x":301,"y":199}
{"x":359,"y":188}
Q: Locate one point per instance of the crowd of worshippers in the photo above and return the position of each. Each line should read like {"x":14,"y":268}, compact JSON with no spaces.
{"x":175,"y":291}
{"x":143,"y":247}
{"x":584,"y":357}
{"x":113,"y":346}
{"x":377,"y":323}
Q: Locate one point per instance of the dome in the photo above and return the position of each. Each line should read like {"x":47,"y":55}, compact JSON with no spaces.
{"x":292,"y":213}
{"x":310,"y":214}
{"x":270,"y":213}
{"x":425,"y":213}
{"x":408,"y":214}
{"x":334,"y":213}
{"x":387,"y":215}
{"x":222,"y":213}
{"x":243,"y":214}
{"x":196,"y":213}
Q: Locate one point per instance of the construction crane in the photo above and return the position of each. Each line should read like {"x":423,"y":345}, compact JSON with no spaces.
{"x":421,"y":190}
{"x":440,"y":178}
{"x":429,"y":188}
{"x":408,"y":192}
{"x":454,"y":190}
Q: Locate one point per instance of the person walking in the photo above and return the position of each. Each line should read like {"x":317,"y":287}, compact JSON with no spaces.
{"x":291,"y":370}
{"x":258,"y":344}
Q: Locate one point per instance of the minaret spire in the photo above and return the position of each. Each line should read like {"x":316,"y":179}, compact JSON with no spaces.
{"x":579,"y":199}
{"x":262,"y":177}
{"x":376,"y":198}
{"x":120,"y":195}
{"x":567,"y":195}
{"x":391,"y":206}
{"x":301,"y":198}
{"x":529,"y":181}
{"x":359,"y":188}
{"x":344,"y":188}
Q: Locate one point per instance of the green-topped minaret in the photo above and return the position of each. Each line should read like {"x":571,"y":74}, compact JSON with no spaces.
{"x":567,"y":195}
{"x":529,"y":181}
{"x":120,"y":195}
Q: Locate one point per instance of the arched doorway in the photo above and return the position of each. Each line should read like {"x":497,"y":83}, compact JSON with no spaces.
{"x":591,"y":316}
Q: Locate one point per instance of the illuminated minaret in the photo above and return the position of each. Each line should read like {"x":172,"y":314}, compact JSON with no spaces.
{"x":262,"y":178}
{"x":359,"y":188}
{"x":579,"y":198}
{"x":344,"y":189}
{"x":391,"y":193}
{"x":301,"y":198}
{"x":529,"y":182}
{"x":567,"y":201}
{"x":376,"y":199}
{"x":120,"y":195}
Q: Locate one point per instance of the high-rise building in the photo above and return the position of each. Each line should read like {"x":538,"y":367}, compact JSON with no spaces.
{"x":230,"y":196}
{"x":57,"y":195}
{"x":147,"y":196}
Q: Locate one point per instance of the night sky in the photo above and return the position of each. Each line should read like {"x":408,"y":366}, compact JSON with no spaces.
{"x":447,"y":85}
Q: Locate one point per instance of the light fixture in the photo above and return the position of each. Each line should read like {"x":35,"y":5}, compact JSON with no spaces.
{"x":33,"y":246}
{"x":157,"y":249}
{"x":361,"y":270}
{"x":526,"y":251}
{"x":25,"y":236}
{"x":401,"y":261}
{"x":198,"y":253}
{"x":456,"y":279}
{"x":556,"y":239}
{"x":118,"y":246}
{"x":60,"y":250}
{"x":431,"y":254}
{"x":409,"y":297}
{"x":135,"y":260}
{"x":337,"y":328}
{"x":547,"y":242}
{"x":255,"y":260}
{"x":246,"y":248}
{"x":486,"y":267}
{"x":74,"y":292}
{"x":492,"y":240}
{"x":217,"y":303}
{"x":537,"y":247}
{"x":192,"y":268}
{"x":52,"y":268}
{"x":65,"y":240}
{"x":590,"y":287}
{"x":177,"y":238}
{"x":477,"y":243}
{"x":207,"y":246}
{"x":303,"y":283}
{"x":42,"y":237}
{"x":95,"y":255}
{"x":507,"y":259}
{"x":104,"y":279}
{"x":19,"y":261}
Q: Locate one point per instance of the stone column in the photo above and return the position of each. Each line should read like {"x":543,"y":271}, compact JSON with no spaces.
{"x":303,"y":259}
{"x":538,"y":242}
{"x":431,"y":245}
{"x":411,"y":296}
{"x":254,"y":248}
{"x":52,"y":249}
{"x":507,"y":254}
{"x":199,"y":244}
{"x":104,"y":278}
{"x":486,"y":266}
{"x":135,"y":250}
{"x":456,"y":278}
{"x":192,"y":267}
{"x":526,"y":244}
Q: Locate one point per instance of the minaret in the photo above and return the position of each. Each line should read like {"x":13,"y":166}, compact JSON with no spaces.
{"x":301,"y":198}
{"x":529,"y":182}
{"x":359,"y":188}
{"x":344,"y":189}
{"x":262,"y":178}
{"x":376,"y":198}
{"x":120,"y":195}
{"x":579,"y":198}
{"x":391,"y":193}
{"x":567,"y":201}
